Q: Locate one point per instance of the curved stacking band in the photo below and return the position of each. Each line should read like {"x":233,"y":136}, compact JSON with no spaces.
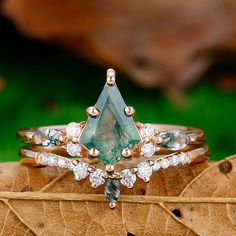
{"x":110,"y":147}
{"x":124,"y":174}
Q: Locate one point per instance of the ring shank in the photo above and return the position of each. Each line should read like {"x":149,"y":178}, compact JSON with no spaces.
{"x":29,"y":133}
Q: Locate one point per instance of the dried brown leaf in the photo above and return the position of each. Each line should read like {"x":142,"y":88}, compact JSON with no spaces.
{"x":189,"y":200}
{"x":44,"y":214}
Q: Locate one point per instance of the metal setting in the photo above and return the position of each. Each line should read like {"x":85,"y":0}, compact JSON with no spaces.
{"x":111,"y":77}
{"x":94,"y":153}
{"x":129,"y":111}
{"x":112,"y":205}
{"x":110,"y":168}
{"x":157,"y":146}
{"x":92,"y":112}
{"x":127,"y":153}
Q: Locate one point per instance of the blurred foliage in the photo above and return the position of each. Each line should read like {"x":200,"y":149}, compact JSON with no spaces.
{"x":44,"y":85}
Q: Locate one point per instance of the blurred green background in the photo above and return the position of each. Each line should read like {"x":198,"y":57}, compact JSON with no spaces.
{"x":44,"y":85}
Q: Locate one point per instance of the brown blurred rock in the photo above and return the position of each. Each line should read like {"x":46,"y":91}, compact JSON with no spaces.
{"x":166,"y":44}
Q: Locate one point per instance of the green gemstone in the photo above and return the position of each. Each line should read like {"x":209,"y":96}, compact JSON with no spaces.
{"x":112,"y":131}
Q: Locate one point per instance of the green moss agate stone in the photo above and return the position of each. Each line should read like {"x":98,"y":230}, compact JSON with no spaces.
{"x":112,"y":130}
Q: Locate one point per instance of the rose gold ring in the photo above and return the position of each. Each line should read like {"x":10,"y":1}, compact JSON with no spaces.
{"x":111,"y":137}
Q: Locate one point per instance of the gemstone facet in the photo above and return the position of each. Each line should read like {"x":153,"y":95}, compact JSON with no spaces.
{"x":156,"y":166}
{"x":165,"y":163}
{"x":112,"y":130}
{"x":73,"y":130}
{"x":174,"y":160}
{"x":183,"y":159}
{"x":147,"y":131}
{"x":112,"y":190}
{"x":97,"y":178}
{"x":48,"y":137}
{"x":127,"y":178}
{"x":175,"y":140}
{"x":80,"y":171}
{"x":144,"y":171}
{"x":73,"y":149}
{"x":148,"y":149}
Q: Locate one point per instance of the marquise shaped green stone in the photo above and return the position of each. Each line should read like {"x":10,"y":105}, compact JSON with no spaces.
{"x":112,"y":130}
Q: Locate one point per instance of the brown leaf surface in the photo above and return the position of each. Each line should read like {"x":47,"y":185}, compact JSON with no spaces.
{"x":219,"y":180}
{"x":165,"y":44}
{"x":48,"y":201}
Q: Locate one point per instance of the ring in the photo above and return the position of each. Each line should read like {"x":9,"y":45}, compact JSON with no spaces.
{"x":110,"y":137}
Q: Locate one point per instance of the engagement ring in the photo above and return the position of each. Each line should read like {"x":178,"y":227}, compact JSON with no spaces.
{"x":110,"y":148}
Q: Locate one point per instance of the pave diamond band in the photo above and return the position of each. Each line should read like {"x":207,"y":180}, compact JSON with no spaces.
{"x":111,"y":136}
{"x":127,"y":177}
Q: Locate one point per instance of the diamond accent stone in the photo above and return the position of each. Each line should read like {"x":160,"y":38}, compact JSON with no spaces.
{"x":51,"y":160}
{"x":127,"y":178}
{"x":144,"y":171}
{"x":61,"y":163}
{"x":174,"y":160}
{"x":183,"y":159}
{"x":148,"y":149}
{"x":80,"y":171}
{"x":112,"y":130}
{"x":174,"y":140}
{"x":73,"y":130}
{"x":97,"y":178}
{"x":147,"y":131}
{"x":42,"y":159}
{"x":73,"y":149}
{"x":156,"y":166}
{"x":165,"y":163}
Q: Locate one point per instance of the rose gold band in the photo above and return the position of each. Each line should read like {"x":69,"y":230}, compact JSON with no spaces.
{"x":197,"y":134}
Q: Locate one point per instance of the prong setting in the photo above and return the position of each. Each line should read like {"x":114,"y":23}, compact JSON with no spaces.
{"x":94,"y":153}
{"x":111,"y":77}
{"x":109,"y":168}
{"x":134,"y":170}
{"x":130,"y":185}
{"x":129,"y":111}
{"x":127,"y":153}
{"x":92,"y":112}
{"x":112,"y":204}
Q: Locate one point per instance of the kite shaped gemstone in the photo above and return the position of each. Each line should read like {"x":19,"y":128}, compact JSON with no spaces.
{"x":112,"y":130}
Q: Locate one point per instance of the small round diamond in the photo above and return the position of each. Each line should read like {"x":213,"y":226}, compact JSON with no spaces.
{"x":73,"y":130}
{"x":144,"y":171}
{"x":174,"y":160}
{"x":80,"y":171}
{"x":51,"y":161}
{"x":147,"y":131}
{"x":97,"y":178}
{"x":42,"y":159}
{"x":73,"y":149}
{"x":61,"y":163}
{"x":183,"y":159}
{"x":156,"y":166}
{"x":165,"y":163}
{"x":148,"y":149}
{"x":127,"y":178}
